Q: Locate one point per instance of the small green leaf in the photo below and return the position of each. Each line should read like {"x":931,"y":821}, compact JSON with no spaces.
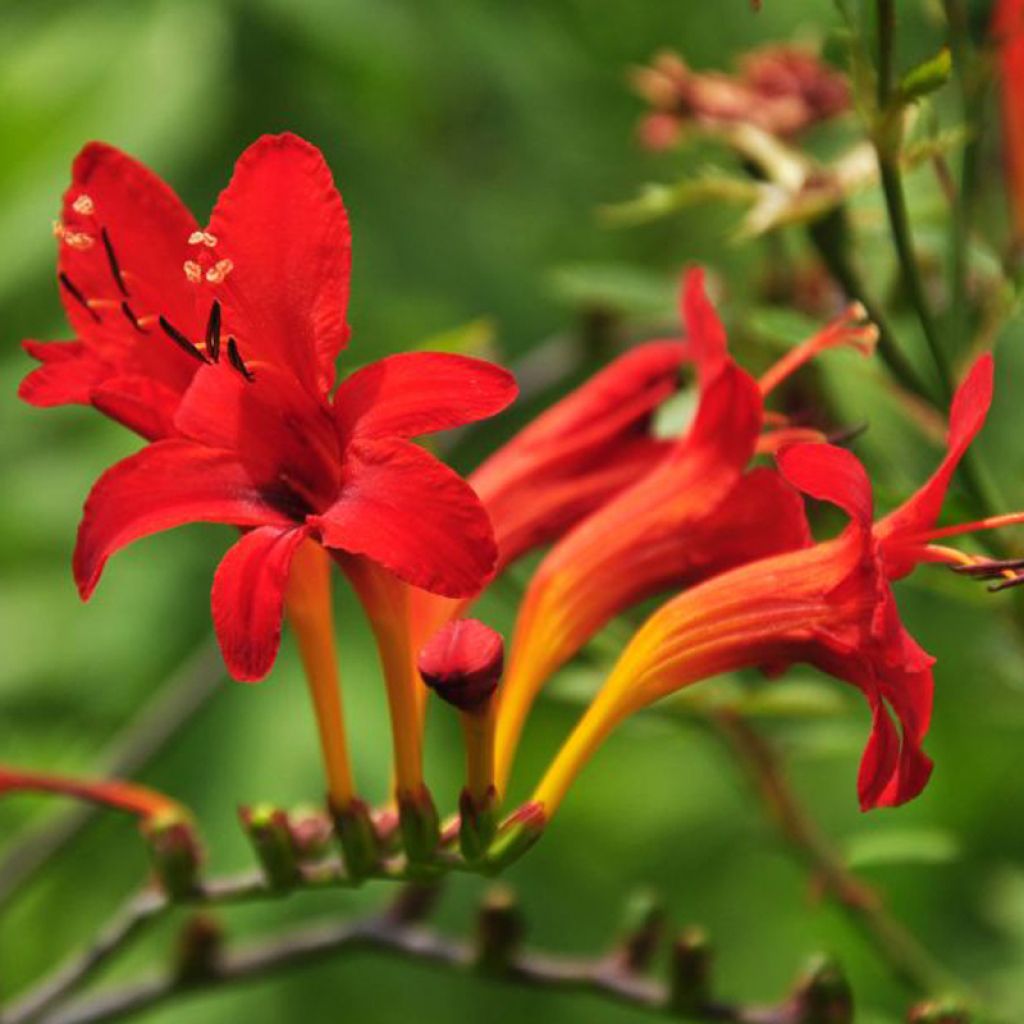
{"x":902,"y":846}
{"x":616,"y":287}
{"x":926,"y":77}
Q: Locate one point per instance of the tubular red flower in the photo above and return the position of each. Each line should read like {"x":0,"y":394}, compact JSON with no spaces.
{"x":828,"y":605}
{"x":685,"y":520}
{"x":260,"y":444}
{"x":128,"y":797}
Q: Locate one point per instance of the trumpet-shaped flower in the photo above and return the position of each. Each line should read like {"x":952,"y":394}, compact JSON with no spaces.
{"x":698,"y":512}
{"x":829,"y":605}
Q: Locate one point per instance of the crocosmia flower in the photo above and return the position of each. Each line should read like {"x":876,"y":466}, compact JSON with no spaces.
{"x":829,"y":604}
{"x":698,"y":512}
{"x":257,"y":439}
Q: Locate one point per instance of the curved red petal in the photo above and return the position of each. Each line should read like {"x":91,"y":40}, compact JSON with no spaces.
{"x":167,"y":484}
{"x":413,"y":515}
{"x":921,"y":511}
{"x":69,"y":372}
{"x":248,"y":599}
{"x":704,"y":330}
{"x":419,"y":393}
{"x":124,"y":239}
{"x":283,"y":227}
{"x":830,"y":474}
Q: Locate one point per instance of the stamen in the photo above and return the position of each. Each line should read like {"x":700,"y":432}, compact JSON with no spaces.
{"x":112,"y":260}
{"x":84,"y":205}
{"x":236,"y":361}
{"x":220,"y":270}
{"x":202,"y":238}
{"x":132,"y":318}
{"x":78,"y":240}
{"x":78,"y":296}
{"x":180,"y":340}
{"x":193,"y":271}
{"x":213,"y":332}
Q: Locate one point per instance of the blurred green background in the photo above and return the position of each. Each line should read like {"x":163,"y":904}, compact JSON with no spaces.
{"x":473,"y":142}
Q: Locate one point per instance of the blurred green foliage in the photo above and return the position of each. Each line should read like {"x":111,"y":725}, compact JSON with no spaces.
{"x":473,"y":142}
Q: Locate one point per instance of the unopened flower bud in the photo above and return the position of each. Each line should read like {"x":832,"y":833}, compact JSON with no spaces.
{"x":500,"y":930}
{"x":311,"y":831}
{"x":690,"y":985}
{"x":268,"y":831}
{"x":823,"y":994}
{"x":940,"y":1011}
{"x":175,"y":851}
{"x":462,"y":664}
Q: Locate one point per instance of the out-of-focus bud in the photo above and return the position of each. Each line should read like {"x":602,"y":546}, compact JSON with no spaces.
{"x":823,"y":995}
{"x":175,"y":852}
{"x":358,"y":839}
{"x":421,"y":830}
{"x":642,"y":931}
{"x":311,"y":832}
{"x":198,"y":950}
{"x":462,"y":663}
{"x":267,"y":828}
{"x":940,"y":1011}
{"x":690,"y":973}
{"x":500,"y":930}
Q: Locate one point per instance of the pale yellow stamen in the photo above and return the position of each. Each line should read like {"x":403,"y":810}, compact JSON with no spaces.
{"x":78,"y":239}
{"x":84,"y":205}
{"x":193,"y":271}
{"x":219,"y":271}
{"x":202,"y":238}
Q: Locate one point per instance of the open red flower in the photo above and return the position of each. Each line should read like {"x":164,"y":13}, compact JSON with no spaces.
{"x":259,"y":444}
{"x":829,"y":605}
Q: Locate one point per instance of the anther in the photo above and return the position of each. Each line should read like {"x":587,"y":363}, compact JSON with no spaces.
{"x":219,"y":271}
{"x":115,"y":269}
{"x":236,"y":361}
{"x":73,"y":291}
{"x":193,"y":271}
{"x":213,"y":332}
{"x":202,"y":238}
{"x":132,"y":318}
{"x":84,"y":205}
{"x":180,"y":340}
{"x":78,"y":240}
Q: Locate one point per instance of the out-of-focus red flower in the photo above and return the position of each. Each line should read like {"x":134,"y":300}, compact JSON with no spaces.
{"x":783,"y":90}
{"x":259,"y":444}
{"x":829,"y":604}
{"x":1008,"y":31}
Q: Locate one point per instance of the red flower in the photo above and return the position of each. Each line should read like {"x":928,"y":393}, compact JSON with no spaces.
{"x":829,"y":605}
{"x":259,"y":443}
{"x":1008,"y":31}
{"x":697,"y":513}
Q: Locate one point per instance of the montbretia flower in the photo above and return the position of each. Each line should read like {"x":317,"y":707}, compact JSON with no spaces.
{"x":828,"y":604}
{"x":782,"y":90}
{"x":700,"y":511}
{"x":1008,"y":32}
{"x":229,"y":340}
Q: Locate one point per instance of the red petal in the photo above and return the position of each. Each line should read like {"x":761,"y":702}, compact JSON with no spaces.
{"x":148,"y":229}
{"x":142,"y":404}
{"x":68,"y":375}
{"x":167,"y":484}
{"x":830,"y":474}
{"x":282,"y":224}
{"x":405,"y":510}
{"x":248,"y":599}
{"x":273,"y":425}
{"x":919,"y":513}
{"x":704,"y":330}
{"x":419,"y":393}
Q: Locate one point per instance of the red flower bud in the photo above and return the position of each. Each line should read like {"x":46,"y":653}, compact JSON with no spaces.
{"x":463,"y":663}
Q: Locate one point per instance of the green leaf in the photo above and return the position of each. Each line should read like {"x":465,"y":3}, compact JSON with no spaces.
{"x":617,"y":287}
{"x":902,"y":846}
{"x":927,"y":77}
